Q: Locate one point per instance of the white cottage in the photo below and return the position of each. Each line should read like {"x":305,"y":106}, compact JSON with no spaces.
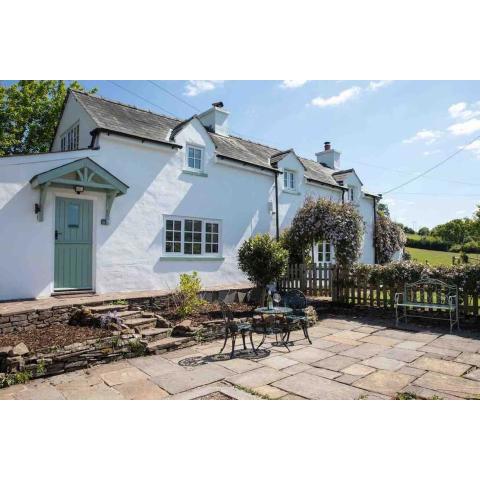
{"x":127,"y":199}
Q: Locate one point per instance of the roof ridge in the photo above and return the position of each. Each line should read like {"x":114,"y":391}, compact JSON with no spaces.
{"x":116,"y":102}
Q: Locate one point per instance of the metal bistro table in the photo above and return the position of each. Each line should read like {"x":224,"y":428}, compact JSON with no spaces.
{"x":277,"y":325}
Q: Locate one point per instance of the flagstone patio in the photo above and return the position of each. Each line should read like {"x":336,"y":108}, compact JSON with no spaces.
{"x":348,"y":359}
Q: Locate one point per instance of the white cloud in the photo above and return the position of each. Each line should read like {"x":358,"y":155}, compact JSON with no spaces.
{"x":293,"y":83}
{"x":431,"y":152}
{"x":375,"y":85}
{"x":460,"y":110}
{"x":474,"y":147}
{"x":465,"y":128}
{"x":195,"y":87}
{"x":427,"y":136}
{"x":389,"y":201}
{"x":342,"y":97}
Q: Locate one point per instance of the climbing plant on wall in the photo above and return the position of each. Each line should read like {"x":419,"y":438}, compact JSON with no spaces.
{"x":389,"y":239}
{"x":322,"y":219}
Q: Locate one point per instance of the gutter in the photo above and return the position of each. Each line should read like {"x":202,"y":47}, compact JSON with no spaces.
{"x":248,"y":164}
{"x":276,"y":208}
{"x":108,"y":131}
{"x":326,"y":184}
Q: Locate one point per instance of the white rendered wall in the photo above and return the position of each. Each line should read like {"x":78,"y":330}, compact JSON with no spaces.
{"x":128,"y":253}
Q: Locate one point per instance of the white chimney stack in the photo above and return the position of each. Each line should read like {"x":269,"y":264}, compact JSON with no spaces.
{"x":329,"y":157}
{"x":215,"y":119}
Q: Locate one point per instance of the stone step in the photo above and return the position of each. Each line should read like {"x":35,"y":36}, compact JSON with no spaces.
{"x":153,"y":334}
{"x":140,"y":323}
{"x":129,"y":314}
{"x":169,"y":343}
{"x":108,"y":308}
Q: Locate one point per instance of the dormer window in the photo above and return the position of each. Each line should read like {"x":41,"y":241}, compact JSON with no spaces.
{"x":289,"y":180}
{"x":194,"y":158}
{"x":70,"y":139}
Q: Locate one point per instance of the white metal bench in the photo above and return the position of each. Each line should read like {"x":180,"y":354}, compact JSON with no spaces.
{"x":427,"y":294}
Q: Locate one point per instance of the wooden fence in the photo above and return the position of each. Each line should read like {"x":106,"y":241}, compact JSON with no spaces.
{"x":314,"y":279}
{"x":324,"y":280}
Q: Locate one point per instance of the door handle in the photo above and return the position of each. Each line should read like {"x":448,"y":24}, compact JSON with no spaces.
{"x":57,"y":233}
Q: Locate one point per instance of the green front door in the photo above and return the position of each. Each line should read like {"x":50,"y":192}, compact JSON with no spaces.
{"x":73,"y":244}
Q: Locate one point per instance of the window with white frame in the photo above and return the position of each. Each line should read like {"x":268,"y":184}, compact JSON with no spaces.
{"x":351,"y":194}
{"x":325,"y":252}
{"x":289,"y":180}
{"x":194,"y":159}
{"x":192,"y":236}
{"x":70,"y":139}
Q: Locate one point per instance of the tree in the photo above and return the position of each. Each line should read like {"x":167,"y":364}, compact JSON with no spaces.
{"x":263,"y":260}
{"x":29,"y":112}
{"x":383,"y":209}
{"x":456,"y":231}
{"x":424,"y":231}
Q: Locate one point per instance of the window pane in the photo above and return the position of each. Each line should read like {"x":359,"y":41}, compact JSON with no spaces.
{"x":73,"y":215}
{"x":188,"y":236}
{"x":208,"y":227}
{"x":215,"y":248}
{"x":208,"y":248}
{"x":292,"y":181}
{"x":177,"y":247}
{"x":197,"y":237}
{"x":214,"y":227}
{"x":285,"y":180}
{"x":197,"y":248}
{"x":188,"y":225}
{"x":197,"y":226}
{"x":187,"y":248}
{"x":169,"y":247}
{"x":169,"y":236}
{"x":177,"y":236}
{"x":169,"y":224}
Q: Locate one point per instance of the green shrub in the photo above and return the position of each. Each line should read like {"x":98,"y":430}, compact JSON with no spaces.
{"x":428,"y":243}
{"x":389,"y":239}
{"x":263,"y":260}
{"x":187,"y":295}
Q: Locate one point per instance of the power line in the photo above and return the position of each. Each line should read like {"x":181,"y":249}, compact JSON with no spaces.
{"x":174,"y":96}
{"x":142,"y":98}
{"x":439,"y":194}
{"x":432,"y":168}
{"x":403,"y":172}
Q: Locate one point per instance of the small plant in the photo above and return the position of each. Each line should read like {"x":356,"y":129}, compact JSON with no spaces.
{"x":41,"y":368}
{"x":187,"y":295}
{"x":119,"y":302}
{"x":406,"y":396}
{"x":115,"y":341}
{"x":137,"y":347}
{"x":200,"y":335}
{"x":15,"y":378}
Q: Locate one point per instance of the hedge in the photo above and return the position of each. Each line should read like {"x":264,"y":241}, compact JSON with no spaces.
{"x":428,"y":243}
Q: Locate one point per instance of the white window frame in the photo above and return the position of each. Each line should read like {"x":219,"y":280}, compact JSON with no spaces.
{"x":288,"y":176}
{"x":203,"y":253}
{"x":70,"y":139}
{"x":351,"y":193}
{"x":202,"y":158}
{"x":323,"y":251}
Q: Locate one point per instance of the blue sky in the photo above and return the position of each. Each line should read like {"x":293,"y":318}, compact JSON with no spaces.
{"x":387,"y":131}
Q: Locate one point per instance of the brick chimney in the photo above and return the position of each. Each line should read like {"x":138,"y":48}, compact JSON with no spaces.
{"x":329,"y":157}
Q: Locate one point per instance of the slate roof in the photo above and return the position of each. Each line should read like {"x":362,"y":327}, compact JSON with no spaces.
{"x":129,"y":120}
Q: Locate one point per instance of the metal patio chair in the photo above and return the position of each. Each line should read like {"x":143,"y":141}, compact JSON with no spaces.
{"x":296,"y":300}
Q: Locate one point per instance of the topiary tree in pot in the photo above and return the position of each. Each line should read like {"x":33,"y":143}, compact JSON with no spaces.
{"x":263,"y":260}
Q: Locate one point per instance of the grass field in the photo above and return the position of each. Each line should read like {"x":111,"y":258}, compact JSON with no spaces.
{"x":434,"y":257}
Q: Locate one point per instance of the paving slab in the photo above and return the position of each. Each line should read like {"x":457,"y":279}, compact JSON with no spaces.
{"x":385,"y":382}
{"x":337,"y":362}
{"x":402,"y":354}
{"x":141,"y":390}
{"x":225,"y":389}
{"x":277,"y":362}
{"x":457,"y":386}
{"x":339,"y":339}
{"x":340,"y":347}
{"x":415,"y":372}
{"x":347,"y":379}
{"x":440,"y":366}
{"x":379,"y":340}
{"x":272,"y":393}
{"x":410,"y":345}
{"x":299,"y":367}
{"x":440,"y":352}
{"x":368,"y":330}
{"x":358,"y":370}
{"x":99,"y":391}
{"x":427,"y":394}
{"x":322,"y":343}
{"x":179,"y":381}
{"x":384,"y":363}
{"x":240,"y":365}
{"x":155,"y":365}
{"x":352,"y":335}
{"x":424,"y":337}
{"x":455,"y":343}
{"x":314,"y":387}
{"x":257,"y":378}
{"x":364,"y":351}
{"x":117,"y":377}
{"x":309,"y":355}
{"x":292,"y":396}
{"x":398,"y":334}
{"x":39,"y":392}
{"x":107,"y":367}
{"x":319,"y":332}
{"x":473,"y":375}
{"x":323,"y":372}
{"x":470,"y":358}
{"x":338,"y":324}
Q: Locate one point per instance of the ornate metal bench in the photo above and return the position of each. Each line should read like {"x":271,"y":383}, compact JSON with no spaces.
{"x":427,"y":294}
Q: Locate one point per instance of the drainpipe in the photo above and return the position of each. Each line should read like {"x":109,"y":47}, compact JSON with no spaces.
{"x":375,"y":230}
{"x":277,"y":235}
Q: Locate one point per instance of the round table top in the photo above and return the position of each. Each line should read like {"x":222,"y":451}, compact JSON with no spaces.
{"x":274,"y":310}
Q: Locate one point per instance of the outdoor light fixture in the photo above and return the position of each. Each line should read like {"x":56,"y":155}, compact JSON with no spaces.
{"x":78,"y":189}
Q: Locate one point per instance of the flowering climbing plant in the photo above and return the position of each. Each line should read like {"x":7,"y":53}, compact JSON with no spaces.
{"x":389,"y":239}
{"x":322,"y":219}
